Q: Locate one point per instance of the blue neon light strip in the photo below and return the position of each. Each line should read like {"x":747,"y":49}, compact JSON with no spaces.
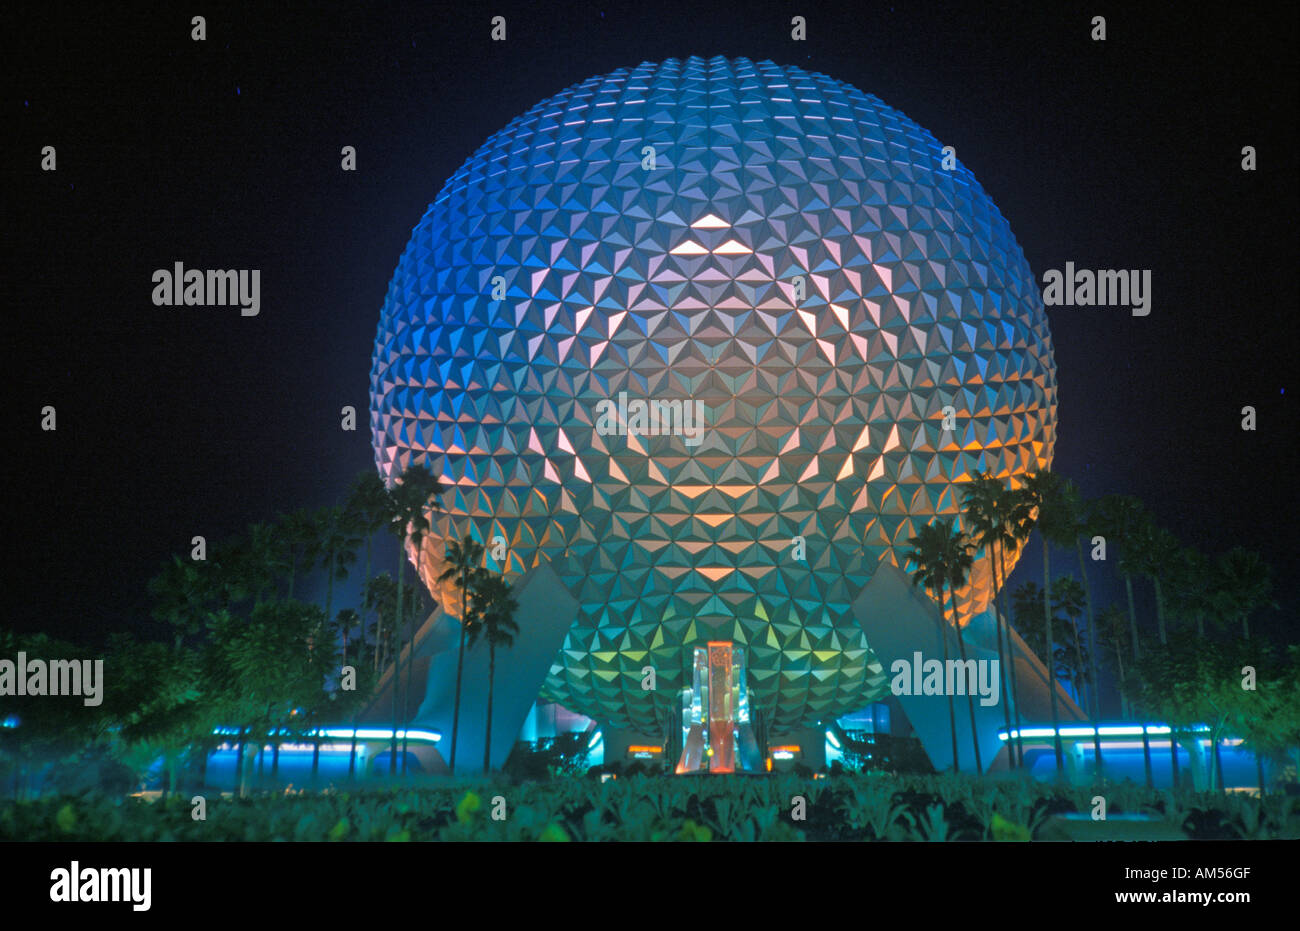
{"x":1120,"y":730}
{"x":363,"y":733}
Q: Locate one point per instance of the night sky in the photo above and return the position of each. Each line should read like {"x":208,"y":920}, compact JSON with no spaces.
{"x":176,"y":421}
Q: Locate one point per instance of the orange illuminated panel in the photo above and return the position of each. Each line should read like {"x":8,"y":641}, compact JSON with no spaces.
{"x":722,"y":757}
{"x":788,"y":748}
{"x":640,"y":748}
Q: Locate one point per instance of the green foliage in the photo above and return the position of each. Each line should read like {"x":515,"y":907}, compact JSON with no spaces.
{"x":866,"y":752}
{"x":1069,"y":653}
{"x":1193,"y":679}
{"x":1190,"y":681}
{"x":275,"y":662}
{"x":1004,"y":830}
{"x":652,"y":808}
{"x":563,"y":755}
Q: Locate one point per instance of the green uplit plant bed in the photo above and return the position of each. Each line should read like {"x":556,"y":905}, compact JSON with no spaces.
{"x":1082,"y":827}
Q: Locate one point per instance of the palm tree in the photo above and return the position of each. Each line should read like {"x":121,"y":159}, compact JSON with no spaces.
{"x":298,"y":535}
{"x":1113,"y":624}
{"x":1026,"y":606}
{"x":348,"y":618}
{"x":380,"y":596}
{"x":398,"y":526}
{"x":1123,"y":519}
{"x":1021,"y":524}
{"x":261,"y":560}
{"x":960,"y":557}
{"x":463,"y":558}
{"x":1191,"y":595}
{"x":416,"y":496}
{"x":1042,"y":491}
{"x":1079,"y":515}
{"x":337,"y":547}
{"x":1245,"y":582}
{"x":1161,"y":556}
{"x":995,"y":514}
{"x":366,"y":513}
{"x":943,"y":557}
{"x":1067,"y":603}
{"x":492,"y":608}
{"x":409,"y":499}
{"x":1129,"y":564}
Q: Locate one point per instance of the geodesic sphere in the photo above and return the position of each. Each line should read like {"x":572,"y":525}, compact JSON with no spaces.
{"x":857,"y":323}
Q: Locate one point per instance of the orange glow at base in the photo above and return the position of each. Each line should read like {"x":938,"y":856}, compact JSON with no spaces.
{"x":721,"y":714}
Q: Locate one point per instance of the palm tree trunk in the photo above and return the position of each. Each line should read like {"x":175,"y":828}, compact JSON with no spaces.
{"x":315,"y":758}
{"x":365,"y":580}
{"x":410,"y":650}
{"x":1160,"y":623}
{"x":329,"y":587}
{"x":1119,"y":668}
{"x":487,"y":739}
{"x":1245,"y":627}
{"x":203,"y":768}
{"x":239,"y":754}
{"x":1092,"y":650}
{"x":1051,"y":657}
{"x":1078,"y":663}
{"x":397,"y":657}
{"x":952,"y":714}
{"x":1146,"y":756}
{"x":970,"y":702}
{"x":1137,"y":655}
{"x":352,"y":757}
{"x":1132,"y":617}
{"x":410,"y":671}
{"x":994,"y":566}
{"x":1015,"y":678}
{"x":1160,"y":610}
{"x":1079,"y":675}
{"x":460,"y":668}
{"x":1218,"y":764}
